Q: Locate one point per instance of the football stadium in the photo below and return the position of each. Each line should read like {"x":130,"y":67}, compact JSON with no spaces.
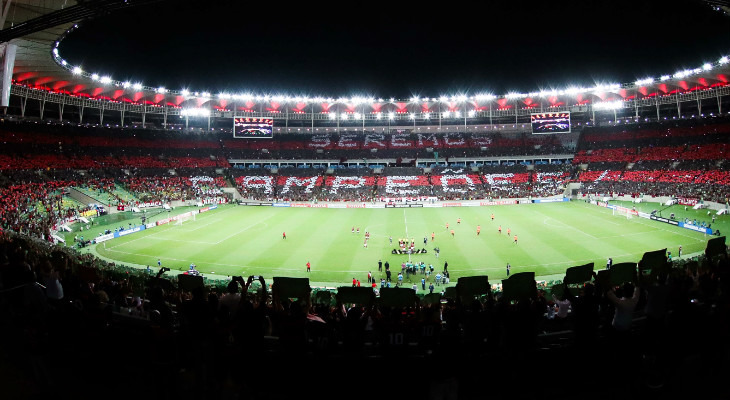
{"x":220,"y":243}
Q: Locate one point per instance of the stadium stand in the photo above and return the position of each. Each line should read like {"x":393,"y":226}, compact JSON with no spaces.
{"x":81,"y":301}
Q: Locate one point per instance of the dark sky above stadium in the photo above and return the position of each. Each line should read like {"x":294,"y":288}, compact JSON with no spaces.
{"x":385,"y":49}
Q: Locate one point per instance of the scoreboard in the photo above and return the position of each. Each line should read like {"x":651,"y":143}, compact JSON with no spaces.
{"x":557,"y":122}
{"x":253,"y":128}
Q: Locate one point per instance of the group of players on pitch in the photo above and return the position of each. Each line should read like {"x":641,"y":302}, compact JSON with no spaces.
{"x":479,"y":230}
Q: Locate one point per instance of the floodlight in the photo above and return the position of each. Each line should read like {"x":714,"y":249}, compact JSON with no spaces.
{"x":77,"y":71}
{"x":664,"y":78}
{"x":608,"y":105}
{"x":427,"y":115}
{"x":457,"y":114}
{"x":378,"y":116}
{"x":137,"y":86}
{"x":185,"y":92}
{"x":105,"y":79}
{"x":343,"y":116}
{"x":126,"y":84}
{"x":412,"y":116}
{"x":446,"y":114}
{"x":95,"y":77}
{"x":472,"y":113}
{"x":356,"y":116}
{"x":161,"y":90}
{"x":706,"y":66}
{"x":195,"y":112}
{"x":333,"y":115}
{"x":391,"y":115}
{"x":724,"y":60}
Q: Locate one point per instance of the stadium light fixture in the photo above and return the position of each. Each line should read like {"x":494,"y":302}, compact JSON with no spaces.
{"x":126,"y":84}
{"x":706,"y":66}
{"x":95,"y":77}
{"x":457,"y":114}
{"x":77,"y":71}
{"x":427,"y":115}
{"x":665,"y":78}
{"x":412,"y":115}
{"x":185,"y":92}
{"x":333,"y":116}
{"x":472,"y":113}
{"x":378,"y":116}
{"x":195,"y":112}
{"x":137,"y":86}
{"x":105,"y":80}
{"x":391,"y":115}
{"x":343,"y":116}
{"x":645,"y":81}
{"x":414,"y":99}
{"x":608,"y":105}
{"x":446,"y":114}
{"x":356,"y":116}
{"x":724,"y":60}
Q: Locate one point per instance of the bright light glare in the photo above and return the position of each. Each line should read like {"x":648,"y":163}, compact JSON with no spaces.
{"x":77,"y":70}
{"x":195,"y":112}
{"x":608,"y":105}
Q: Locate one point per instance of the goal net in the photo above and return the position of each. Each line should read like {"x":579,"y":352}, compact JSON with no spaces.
{"x":188,"y":216}
{"x":624,"y":212}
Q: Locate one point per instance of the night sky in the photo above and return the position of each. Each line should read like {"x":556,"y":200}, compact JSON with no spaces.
{"x":397,"y":50}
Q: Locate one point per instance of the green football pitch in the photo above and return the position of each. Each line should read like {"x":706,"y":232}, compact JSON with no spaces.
{"x":240,"y":240}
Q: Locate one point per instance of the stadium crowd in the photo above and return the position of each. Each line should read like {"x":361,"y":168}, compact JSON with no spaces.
{"x":62,"y":308}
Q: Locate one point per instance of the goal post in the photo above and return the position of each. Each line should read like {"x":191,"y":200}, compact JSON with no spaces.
{"x":188,"y":216}
{"x":623,"y":212}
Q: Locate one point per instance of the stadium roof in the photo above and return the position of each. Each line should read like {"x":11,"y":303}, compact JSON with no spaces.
{"x":39,"y":66}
